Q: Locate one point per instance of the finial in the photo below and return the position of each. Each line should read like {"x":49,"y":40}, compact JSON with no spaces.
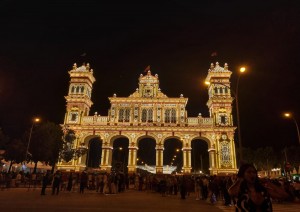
{"x":212,"y":66}
{"x":199,"y":114}
{"x":141,"y":75}
{"x":92,"y":70}
{"x":87,"y":66}
{"x":74,"y":66}
{"x":115,"y":95}
{"x":156,"y":75}
{"x":137,"y":89}
{"x":96,"y":113}
{"x":225,"y":66}
{"x":159,"y":89}
{"x":217,"y":63}
{"x":181,"y":95}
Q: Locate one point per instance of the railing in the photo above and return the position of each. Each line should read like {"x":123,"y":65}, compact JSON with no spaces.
{"x":103,"y":120}
{"x":97,"y":120}
{"x":199,"y":121}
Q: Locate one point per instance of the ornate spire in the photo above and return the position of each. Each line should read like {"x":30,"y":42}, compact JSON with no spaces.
{"x":218,"y":68}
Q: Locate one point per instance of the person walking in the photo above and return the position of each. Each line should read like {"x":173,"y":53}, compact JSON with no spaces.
{"x":45,"y":182}
{"x":56,"y":182}
{"x":83,"y":181}
{"x":183,"y":187}
{"x":70,"y":182}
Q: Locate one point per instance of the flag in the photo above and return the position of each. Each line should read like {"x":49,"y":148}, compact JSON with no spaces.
{"x":214,"y":54}
{"x":147,"y":69}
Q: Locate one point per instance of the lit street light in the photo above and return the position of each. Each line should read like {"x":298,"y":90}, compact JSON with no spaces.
{"x":35,"y":120}
{"x":235,"y":94}
{"x":289,"y":115}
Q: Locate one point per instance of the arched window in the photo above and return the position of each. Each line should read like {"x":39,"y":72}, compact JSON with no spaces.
{"x":150,"y":115}
{"x":225,"y":153}
{"x":216,"y":90}
{"x":173,"y":116}
{"x":147,"y":115}
{"x":77,"y":89}
{"x":82,"y":89}
{"x":127,"y":115}
{"x":167,"y":116}
{"x":226,"y":90}
{"x":170,"y":115}
{"x":121,"y":111}
{"x":72,"y":89}
{"x":124,"y":115}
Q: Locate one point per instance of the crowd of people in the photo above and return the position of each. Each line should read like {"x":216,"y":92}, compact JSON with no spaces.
{"x":244,"y":190}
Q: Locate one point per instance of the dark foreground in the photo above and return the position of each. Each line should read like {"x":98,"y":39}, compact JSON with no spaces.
{"x":17,"y":199}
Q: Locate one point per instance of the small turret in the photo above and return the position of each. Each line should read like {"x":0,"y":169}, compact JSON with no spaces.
{"x":80,"y":92}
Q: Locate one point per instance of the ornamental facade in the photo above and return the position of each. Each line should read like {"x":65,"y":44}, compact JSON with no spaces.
{"x":149,"y":113}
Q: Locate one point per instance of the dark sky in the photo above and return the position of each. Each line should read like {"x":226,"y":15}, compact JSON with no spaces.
{"x":39,"y":42}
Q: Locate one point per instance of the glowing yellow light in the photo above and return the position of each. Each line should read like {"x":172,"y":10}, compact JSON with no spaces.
{"x":120,"y":148}
{"x":207,"y":83}
{"x":177,"y":150}
{"x":287,"y":115}
{"x":37,"y":120}
{"x":242,"y":69}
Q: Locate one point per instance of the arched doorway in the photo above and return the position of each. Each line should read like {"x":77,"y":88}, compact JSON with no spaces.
{"x":199,"y":157}
{"x":119,"y":160}
{"x":93,"y":159}
{"x":173,"y":160}
{"x":146,"y":154}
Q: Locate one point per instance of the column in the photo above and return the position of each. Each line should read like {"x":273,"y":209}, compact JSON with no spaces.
{"x":106,"y":157}
{"x":159,"y":158}
{"x":187,"y":160}
{"x":132,"y":156}
{"x":212,"y":160}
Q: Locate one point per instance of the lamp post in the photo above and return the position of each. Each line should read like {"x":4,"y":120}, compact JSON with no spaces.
{"x":35,"y":120}
{"x":289,"y":115}
{"x":235,"y":94}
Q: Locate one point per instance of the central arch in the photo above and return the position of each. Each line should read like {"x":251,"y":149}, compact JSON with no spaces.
{"x":119,"y":154}
{"x":199,"y":156}
{"x":173,"y":156}
{"x":146,"y":150}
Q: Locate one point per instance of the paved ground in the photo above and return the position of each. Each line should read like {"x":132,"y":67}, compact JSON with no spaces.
{"x":17,"y":199}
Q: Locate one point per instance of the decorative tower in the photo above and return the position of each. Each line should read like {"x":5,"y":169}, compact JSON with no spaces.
{"x":79,"y":96}
{"x":219,"y":92}
{"x":220,"y":108}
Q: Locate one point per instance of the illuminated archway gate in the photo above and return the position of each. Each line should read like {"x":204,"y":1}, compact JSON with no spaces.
{"x":149,"y":112}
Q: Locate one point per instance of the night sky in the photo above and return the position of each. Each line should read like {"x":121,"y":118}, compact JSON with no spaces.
{"x":39,"y":43}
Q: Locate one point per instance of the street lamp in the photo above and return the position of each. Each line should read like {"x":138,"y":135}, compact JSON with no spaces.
{"x":235,"y":94}
{"x":289,"y":115}
{"x":35,"y":120}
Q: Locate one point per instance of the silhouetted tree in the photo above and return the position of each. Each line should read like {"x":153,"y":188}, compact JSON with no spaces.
{"x":46,"y":142}
{"x":14,"y":152}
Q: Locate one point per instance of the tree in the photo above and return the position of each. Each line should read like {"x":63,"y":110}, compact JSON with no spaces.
{"x":14,"y":152}
{"x":265,"y":158}
{"x":293,"y":156}
{"x":3,"y":139}
{"x":248,"y":155}
{"x":46,"y":143}
{"x":68,"y":152}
